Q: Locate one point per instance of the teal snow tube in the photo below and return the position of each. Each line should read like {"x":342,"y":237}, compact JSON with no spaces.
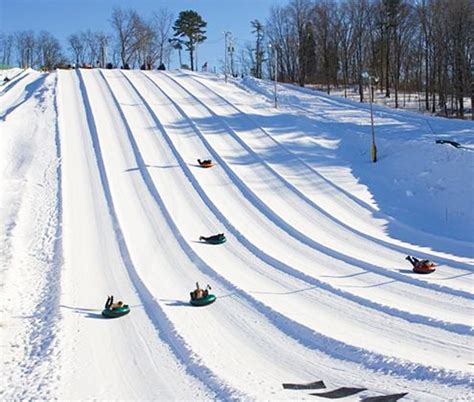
{"x":203,"y":301}
{"x":217,"y":240}
{"x":116,"y":312}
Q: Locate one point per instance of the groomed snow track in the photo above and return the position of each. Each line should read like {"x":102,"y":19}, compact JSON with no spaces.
{"x":310,"y":286}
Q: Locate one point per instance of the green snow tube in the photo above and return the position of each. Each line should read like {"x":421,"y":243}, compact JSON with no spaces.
{"x":116,"y":312}
{"x":203,"y":301}
{"x":214,"y":239}
{"x":217,"y":241}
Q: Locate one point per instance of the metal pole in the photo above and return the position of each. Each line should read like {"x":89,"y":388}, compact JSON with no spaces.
{"x":225,"y":57}
{"x":231,"y":51}
{"x":374,"y":148}
{"x":276,"y":75}
{"x":104,"y":49}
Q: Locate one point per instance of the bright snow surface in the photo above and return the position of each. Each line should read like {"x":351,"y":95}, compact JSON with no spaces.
{"x":101,"y":194}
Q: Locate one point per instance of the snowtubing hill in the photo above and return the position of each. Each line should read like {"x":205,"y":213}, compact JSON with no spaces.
{"x":103,"y":195}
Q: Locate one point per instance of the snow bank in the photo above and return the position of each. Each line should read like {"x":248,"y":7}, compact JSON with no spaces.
{"x":415,"y":181}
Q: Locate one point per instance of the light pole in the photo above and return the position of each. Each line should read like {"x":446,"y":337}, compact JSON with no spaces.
{"x":104,"y":54}
{"x":231,"y":52}
{"x":373,"y":149}
{"x":226,"y":33}
{"x":275,"y":71}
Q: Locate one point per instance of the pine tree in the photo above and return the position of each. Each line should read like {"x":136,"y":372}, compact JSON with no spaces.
{"x":190,"y":25}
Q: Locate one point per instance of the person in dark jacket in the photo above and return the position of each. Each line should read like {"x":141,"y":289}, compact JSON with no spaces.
{"x":216,"y":237}
{"x":109,"y":302}
{"x":417,"y":263}
{"x":413,"y":260}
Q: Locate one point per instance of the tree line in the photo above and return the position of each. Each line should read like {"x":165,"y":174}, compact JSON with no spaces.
{"x":423,"y":46}
{"x":135,"y":41}
{"x":414,"y":46}
{"x":42,"y":50}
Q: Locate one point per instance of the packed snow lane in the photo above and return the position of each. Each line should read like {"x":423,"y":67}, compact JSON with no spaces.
{"x":30,"y":242}
{"x":29,"y":84}
{"x":122,"y":358}
{"x":14,"y":76}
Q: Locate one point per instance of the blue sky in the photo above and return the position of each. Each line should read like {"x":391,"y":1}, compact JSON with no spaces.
{"x":64,"y":17}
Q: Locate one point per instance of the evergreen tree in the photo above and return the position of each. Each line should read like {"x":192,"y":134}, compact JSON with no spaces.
{"x":190,"y":25}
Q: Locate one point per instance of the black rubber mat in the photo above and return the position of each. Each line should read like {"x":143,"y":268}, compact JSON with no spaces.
{"x":311,"y":385}
{"x":340,"y":392}
{"x":385,"y":398}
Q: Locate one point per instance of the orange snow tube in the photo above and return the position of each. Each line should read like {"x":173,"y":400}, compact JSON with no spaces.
{"x":206,"y":163}
{"x":424,"y":267}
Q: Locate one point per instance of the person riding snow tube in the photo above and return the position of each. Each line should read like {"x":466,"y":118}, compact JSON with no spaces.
{"x":201,"y":297}
{"x":215,"y":239}
{"x":113,"y":310}
{"x":421,"y":266}
{"x":207,"y":163}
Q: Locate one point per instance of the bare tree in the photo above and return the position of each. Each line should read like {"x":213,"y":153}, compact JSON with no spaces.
{"x":323,"y":38}
{"x":460,"y":19}
{"x":91,"y":47}
{"x":391,"y":24}
{"x":25,"y":48}
{"x":246,"y":58}
{"x":301,"y":15}
{"x":77,"y":46}
{"x":146,"y":44}
{"x":48,"y":51}
{"x":6,"y":48}
{"x":281,"y":30}
{"x":128,"y":27}
{"x":103,"y":41}
{"x":345,"y":35}
{"x":425,"y":18}
{"x":359,"y":11}
{"x":162,"y":23}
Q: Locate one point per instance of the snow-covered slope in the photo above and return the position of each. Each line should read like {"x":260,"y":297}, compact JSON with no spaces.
{"x":102,"y":194}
